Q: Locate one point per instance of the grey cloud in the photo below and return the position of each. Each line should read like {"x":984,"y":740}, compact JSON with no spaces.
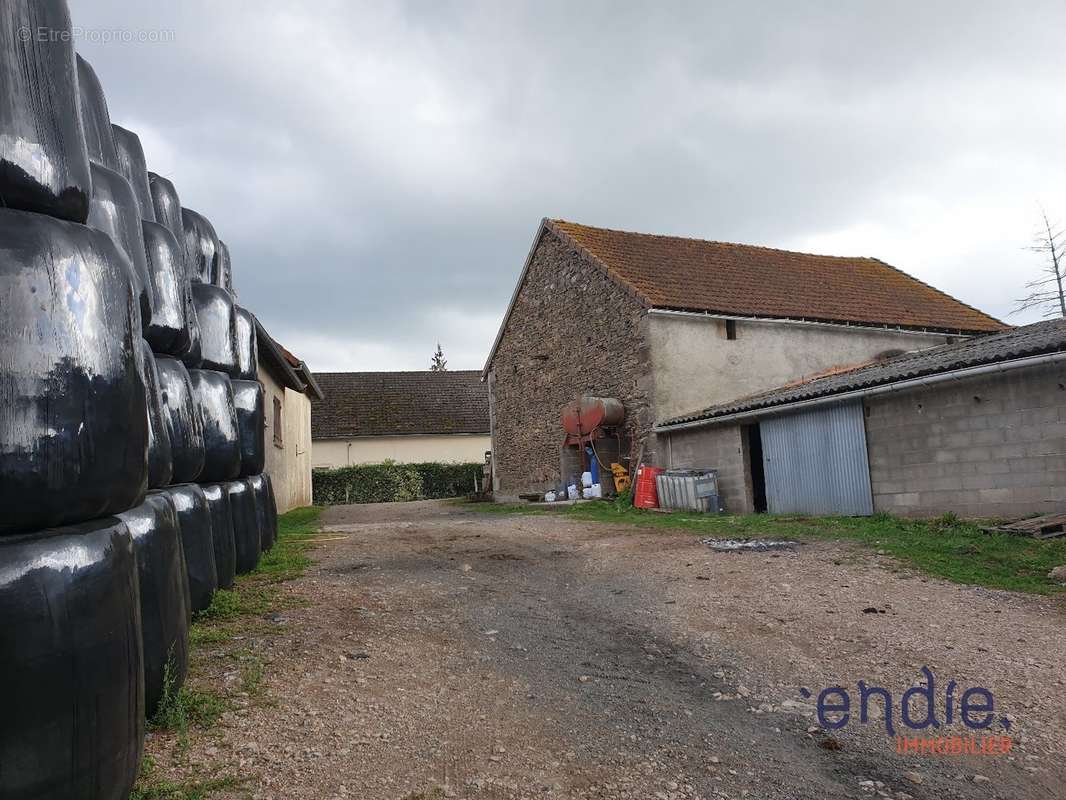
{"x":379,"y":169}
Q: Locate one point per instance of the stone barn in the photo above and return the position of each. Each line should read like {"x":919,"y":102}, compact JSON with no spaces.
{"x":669,"y":325}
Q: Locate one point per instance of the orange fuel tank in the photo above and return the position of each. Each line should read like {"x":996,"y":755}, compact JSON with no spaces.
{"x":585,"y":414}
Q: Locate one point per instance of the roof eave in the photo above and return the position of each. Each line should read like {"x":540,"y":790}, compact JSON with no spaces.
{"x":546,"y":224}
{"x":276,"y":359}
{"x":514,"y":296}
{"x":815,"y":321}
{"x":759,"y":410}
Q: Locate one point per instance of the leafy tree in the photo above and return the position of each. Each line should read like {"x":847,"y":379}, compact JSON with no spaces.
{"x":439,"y":363}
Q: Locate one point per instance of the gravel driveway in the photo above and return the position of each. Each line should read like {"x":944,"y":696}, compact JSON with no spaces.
{"x":444,"y":652}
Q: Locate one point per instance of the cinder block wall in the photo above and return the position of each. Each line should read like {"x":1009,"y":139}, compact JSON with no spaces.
{"x":572,"y":331}
{"x":721,"y":448}
{"x":993,"y":446}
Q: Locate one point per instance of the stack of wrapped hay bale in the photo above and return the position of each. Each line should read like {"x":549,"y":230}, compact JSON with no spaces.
{"x":131,"y":424}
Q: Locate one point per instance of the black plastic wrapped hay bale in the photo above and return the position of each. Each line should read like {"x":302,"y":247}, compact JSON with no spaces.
{"x":249,"y":403}
{"x":197,"y":542}
{"x":114,"y":211}
{"x":167,"y":206}
{"x":247,"y":345}
{"x":222,"y":443}
{"x":225,"y":268}
{"x":168,"y":332}
{"x":190,"y":354}
{"x":218,"y":328}
{"x":160,"y":458}
{"x":201,"y":247}
{"x":44,"y":165}
{"x":222,"y":533}
{"x":184,"y":421}
{"x":134,"y":169}
{"x":164,"y":589}
{"x":247,"y":539}
{"x":266,"y":511}
{"x":70,"y":634}
{"x":73,"y":419}
{"x":95,"y":118}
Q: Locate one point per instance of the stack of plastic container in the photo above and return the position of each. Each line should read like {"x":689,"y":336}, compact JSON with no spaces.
{"x":131,"y":424}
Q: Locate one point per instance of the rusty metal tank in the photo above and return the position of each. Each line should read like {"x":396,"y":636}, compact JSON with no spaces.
{"x":587,"y":413}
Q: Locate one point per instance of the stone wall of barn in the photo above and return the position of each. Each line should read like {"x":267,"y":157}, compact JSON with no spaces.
{"x":992,"y":446}
{"x":572,"y":331}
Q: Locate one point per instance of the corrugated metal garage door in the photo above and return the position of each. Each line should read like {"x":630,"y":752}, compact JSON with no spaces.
{"x":815,"y":462}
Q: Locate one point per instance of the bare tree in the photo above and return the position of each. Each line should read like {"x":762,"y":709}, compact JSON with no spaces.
{"x":439,"y":363}
{"x":1047,"y":291}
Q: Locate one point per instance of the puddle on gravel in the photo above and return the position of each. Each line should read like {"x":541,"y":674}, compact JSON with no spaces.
{"x":743,"y":545}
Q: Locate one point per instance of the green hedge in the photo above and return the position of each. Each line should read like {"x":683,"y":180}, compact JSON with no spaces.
{"x":391,"y":482}
{"x":448,"y":480}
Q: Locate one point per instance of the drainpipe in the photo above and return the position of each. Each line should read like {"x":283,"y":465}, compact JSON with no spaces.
{"x":873,"y":391}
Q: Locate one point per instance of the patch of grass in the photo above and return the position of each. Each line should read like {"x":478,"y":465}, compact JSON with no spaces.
{"x":233,"y":613}
{"x":288,"y":559}
{"x":946,"y":547}
{"x":256,"y":593}
{"x":252,"y":672}
{"x":225,"y":604}
{"x":201,"y":635}
{"x":152,"y":787}
{"x":180,"y":707}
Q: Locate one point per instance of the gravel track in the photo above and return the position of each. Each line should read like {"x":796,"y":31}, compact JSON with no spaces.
{"x":448,"y":653}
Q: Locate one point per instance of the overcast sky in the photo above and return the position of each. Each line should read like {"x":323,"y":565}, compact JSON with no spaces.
{"x":379,"y":169}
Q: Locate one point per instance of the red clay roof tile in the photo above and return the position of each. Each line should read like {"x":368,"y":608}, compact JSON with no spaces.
{"x":744,"y":280}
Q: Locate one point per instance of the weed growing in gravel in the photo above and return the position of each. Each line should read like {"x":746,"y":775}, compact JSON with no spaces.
{"x":225,"y":604}
{"x":178,"y":708}
{"x":151,"y":787}
{"x":252,"y":673}
{"x":946,"y":547}
{"x":233,"y":613}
